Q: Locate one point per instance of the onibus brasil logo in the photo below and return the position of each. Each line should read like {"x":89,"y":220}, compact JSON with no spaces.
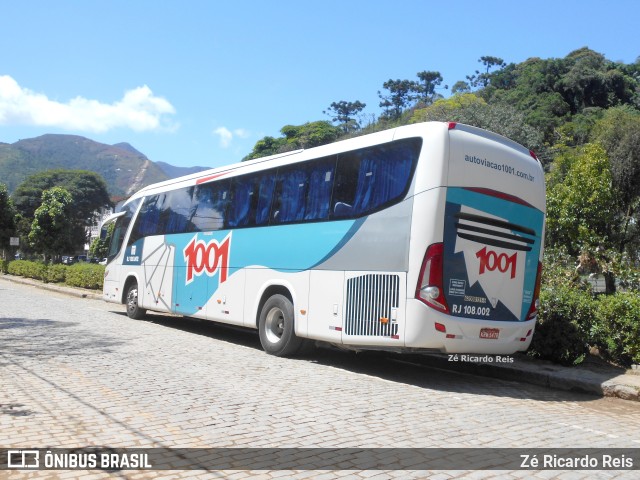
{"x":207,"y":257}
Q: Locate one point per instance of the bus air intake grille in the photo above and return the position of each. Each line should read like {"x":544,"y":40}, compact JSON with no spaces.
{"x":371,"y":298}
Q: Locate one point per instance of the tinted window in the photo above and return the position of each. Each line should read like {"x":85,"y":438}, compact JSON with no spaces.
{"x":191,"y":209}
{"x":210,"y":206}
{"x":176,"y":211}
{"x":120,"y":228}
{"x":303,"y":191}
{"x":251,"y":200}
{"x":266,"y":186}
{"x":371,"y":178}
{"x":148,"y":219}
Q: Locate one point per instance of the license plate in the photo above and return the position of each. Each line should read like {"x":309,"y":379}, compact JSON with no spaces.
{"x":490,"y":333}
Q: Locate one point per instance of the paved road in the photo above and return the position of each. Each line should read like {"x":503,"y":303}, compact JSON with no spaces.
{"x":77,"y":372}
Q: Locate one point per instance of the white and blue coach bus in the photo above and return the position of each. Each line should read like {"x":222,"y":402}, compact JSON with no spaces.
{"x":427,"y":236}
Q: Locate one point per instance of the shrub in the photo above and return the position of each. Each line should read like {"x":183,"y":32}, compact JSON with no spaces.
{"x":4,"y":264}
{"x":617,"y":327}
{"x":56,"y":273}
{"x":564,"y":322}
{"x":85,"y":275}
{"x":29,"y":269}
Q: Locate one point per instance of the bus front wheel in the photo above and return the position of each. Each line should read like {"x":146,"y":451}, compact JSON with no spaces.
{"x":133,"y":309}
{"x":276,"y":327}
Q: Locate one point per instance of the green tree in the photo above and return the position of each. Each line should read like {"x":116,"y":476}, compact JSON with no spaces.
{"x":267,"y":146}
{"x":311,"y":134}
{"x":401,"y":95}
{"x":88,"y":191}
{"x":344,"y":112}
{"x":590,"y":80}
{"x":308,"y":135}
{"x":582,"y":206}
{"x":482,"y":79}
{"x":460,"y":87}
{"x":426,"y":90}
{"x":7,"y":219}
{"x":619,"y":132}
{"x":54,"y":231}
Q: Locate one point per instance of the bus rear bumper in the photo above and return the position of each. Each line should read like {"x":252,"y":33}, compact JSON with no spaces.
{"x":431,"y":329}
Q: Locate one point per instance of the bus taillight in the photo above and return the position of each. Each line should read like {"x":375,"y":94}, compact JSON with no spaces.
{"x":429,"y":289}
{"x":535,"y":301}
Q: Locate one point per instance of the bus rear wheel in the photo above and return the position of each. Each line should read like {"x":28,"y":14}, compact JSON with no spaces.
{"x":277,"y":327}
{"x":133,"y":309}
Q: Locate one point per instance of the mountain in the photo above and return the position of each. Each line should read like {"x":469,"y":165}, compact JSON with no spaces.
{"x":174,"y":172}
{"x":123,"y":168}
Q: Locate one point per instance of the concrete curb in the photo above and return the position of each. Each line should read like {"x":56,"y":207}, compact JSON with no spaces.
{"x":598,"y":380}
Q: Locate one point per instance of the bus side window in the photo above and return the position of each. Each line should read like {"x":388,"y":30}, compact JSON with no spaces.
{"x":345,"y":185}
{"x":291,"y":190}
{"x":303,"y":191}
{"x":148,"y":219}
{"x":320,"y":187}
{"x":243,"y":201}
{"x":251,"y":197}
{"x":391,"y":167}
{"x":266,"y":186}
{"x":370,"y":178}
{"x":176,"y":211}
{"x":119,"y":232}
{"x":209,"y":209}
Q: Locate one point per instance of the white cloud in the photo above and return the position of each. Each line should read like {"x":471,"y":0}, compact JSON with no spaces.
{"x":226,"y":135}
{"x":139,"y":109}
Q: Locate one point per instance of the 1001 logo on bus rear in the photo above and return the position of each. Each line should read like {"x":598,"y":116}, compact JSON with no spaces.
{"x":490,"y":261}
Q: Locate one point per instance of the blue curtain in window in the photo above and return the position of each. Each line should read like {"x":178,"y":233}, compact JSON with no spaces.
{"x":364,"y":191}
{"x":382,"y":177}
{"x":241,"y":205}
{"x":292,"y":197}
{"x":319,"y":193}
{"x":265,"y":193}
{"x":392,"y":178}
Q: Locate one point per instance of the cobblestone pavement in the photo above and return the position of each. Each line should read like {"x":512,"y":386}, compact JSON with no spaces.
{"x":77,"y":372}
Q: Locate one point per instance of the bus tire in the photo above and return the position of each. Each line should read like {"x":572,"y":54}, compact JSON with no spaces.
{"x":133,"y":309}
{"x":277,"y":327}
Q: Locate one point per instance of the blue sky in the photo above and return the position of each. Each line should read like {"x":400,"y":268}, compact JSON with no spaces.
{"x":199,"y":82}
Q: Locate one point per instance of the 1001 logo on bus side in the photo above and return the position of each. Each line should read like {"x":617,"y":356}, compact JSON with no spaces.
{"x":207,"y":257}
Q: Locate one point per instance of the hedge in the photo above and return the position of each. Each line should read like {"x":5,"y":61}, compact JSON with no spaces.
{"x":617,"y":328}
{"x":56,"y":273}
{"x":27,"y":268}
{"x":84,"y":275}
{"x":565,"y":317}
{"x":572,"y":319}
